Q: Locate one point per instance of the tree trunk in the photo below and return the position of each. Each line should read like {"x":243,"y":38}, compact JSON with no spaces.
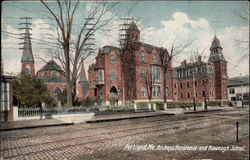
{"x":164,"y":87}
{"x":69,"y":86}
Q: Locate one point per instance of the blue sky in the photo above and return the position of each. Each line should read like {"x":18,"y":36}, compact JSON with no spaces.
{"x":157,"y":21}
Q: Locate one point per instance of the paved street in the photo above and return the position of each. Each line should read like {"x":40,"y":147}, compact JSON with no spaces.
{"x":110,"y":140}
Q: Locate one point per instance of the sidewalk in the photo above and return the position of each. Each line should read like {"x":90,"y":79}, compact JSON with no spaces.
{"x":28,"y":124}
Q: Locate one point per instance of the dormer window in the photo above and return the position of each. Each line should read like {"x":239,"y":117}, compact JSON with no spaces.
{"x":155,"y":59}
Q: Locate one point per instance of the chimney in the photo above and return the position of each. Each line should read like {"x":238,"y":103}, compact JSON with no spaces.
{"x":199,"y":59}
{"x":184,"y":63}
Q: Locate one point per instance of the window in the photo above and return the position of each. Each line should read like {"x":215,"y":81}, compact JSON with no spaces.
{"x":28,"y":69}
{"x":143,"y":91}
{"x":167,"y":91}
{"x":158,"y":91}
{"x":100,"y":76}
{"x":231,"y":91}
{"x":181,"y":85}
{"x":188,"y":84}
{"x":113,"y":60}
{"x":188,"y":95}
{"x":156,"y":73}
{"x":195,"y":83}
{"x":175,"y":85}
{"x":181,"y":95}
{"x":143,"y":57}
{"x":203,"y":93}
{"x":113,"y":76}
{"x":143,"y":73}
{"x":155,"y":59}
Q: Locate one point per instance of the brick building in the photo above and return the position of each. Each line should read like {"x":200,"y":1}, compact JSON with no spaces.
{"x":124,"y":74}
{"x":51,"y":74}
{"x":208,"y":80}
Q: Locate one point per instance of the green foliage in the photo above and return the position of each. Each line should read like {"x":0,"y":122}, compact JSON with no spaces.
{"x":112,"y":99}
{"x":63,"y":97}
{"x":88,"y":102}
{"x":30,"y":91}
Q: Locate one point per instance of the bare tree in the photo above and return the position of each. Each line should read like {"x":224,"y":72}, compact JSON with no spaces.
{"x":149,"y":81}
{"x":194,"y":58}
{"x":76,"y":47}
{"x":166,"y":57}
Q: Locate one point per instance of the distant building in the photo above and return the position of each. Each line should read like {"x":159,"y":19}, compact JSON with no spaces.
{"x":238,"y":86}
{"x":204,"y":80}
{"x":51,"y":74}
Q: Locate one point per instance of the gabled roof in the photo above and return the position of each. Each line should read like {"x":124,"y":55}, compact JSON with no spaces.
{"x":148,"y":47}
{"x":51,"y":66}
{"x":107,"y":49}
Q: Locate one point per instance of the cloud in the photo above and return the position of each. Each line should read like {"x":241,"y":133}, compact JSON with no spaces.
{"x":184,"y":29}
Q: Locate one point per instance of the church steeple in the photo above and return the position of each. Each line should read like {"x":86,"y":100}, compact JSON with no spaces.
{"x":27,"y":55}
{"x":216,"y":53}
{"x":83,"y":80}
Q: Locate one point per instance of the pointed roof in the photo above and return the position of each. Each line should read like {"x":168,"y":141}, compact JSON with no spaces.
{"x":27,"y":55}
{"x":133,"y":27}
{"x":82,"y":77}
{"x":51,"y":65}
{"x":215,"y":43}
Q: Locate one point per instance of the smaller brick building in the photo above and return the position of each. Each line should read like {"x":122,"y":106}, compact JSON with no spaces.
{"x":202,"y":80}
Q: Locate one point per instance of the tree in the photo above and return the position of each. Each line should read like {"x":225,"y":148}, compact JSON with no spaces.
{"x":76,"y":47}
{"x":166,"y":57}
{"x":30,"y":91}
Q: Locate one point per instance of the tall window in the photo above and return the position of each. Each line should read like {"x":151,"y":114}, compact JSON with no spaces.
{"x":143,"y":59}
{"x":167,"y":91}
{"x":143,"y":91}
{"x":156,"y":91}
{"x":156,"y":73}
{"x":100,"y":76}
{"x":113,"y":60}
{"x":143,"y":73}
{"x":113,"y":76}
{"x":188,"y":84}
{"x":155,"y":60}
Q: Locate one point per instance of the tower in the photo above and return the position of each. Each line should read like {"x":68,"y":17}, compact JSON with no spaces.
{"x":220,"y":68}
{"x":83,"y":82}
{"x":27,"y":60}
{"x":133,"y":33}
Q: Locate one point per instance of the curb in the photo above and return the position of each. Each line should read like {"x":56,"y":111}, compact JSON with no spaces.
{"x":125,"y":118}
{"x":191,"y":112}
{"x":32,"y":127}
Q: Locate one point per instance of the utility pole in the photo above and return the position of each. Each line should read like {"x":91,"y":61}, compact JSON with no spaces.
{"x":123,"y":41}
{"x":241,"y":90}
{"x":194,"y":91}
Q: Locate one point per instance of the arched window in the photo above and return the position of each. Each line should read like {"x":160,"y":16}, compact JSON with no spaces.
{"x":143,"y":73}
{"x":113,"y":60}
{"x":158,"y":91}
{"x":143,"y":57}
{"x":28,"y":69}
{"x":155,"y":59}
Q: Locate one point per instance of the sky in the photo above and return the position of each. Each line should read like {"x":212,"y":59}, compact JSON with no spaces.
{"x":159,"y":22}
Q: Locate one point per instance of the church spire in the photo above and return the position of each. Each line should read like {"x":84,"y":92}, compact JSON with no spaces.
{"x":216,"y":51}
{"x":84,"y":84}
{"x":27,"y":55}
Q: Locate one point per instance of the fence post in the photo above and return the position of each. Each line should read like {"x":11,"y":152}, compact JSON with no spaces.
{"x":237,"y":131}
